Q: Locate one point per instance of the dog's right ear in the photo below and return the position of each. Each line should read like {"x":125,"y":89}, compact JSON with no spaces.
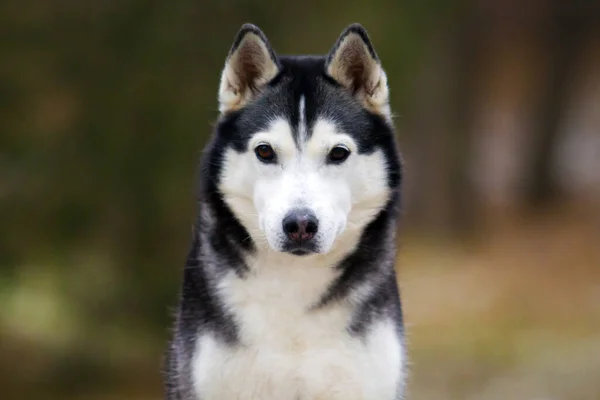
{"x":250,"y":65}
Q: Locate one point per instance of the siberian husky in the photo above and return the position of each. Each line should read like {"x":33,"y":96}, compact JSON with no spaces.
{"x":289,"y":290}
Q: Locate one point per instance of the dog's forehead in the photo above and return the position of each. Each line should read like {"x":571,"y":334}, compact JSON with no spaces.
{"x":322,"y":134}
{"x":305,"y":98}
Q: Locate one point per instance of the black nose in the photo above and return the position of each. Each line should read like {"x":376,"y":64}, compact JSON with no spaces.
{"x":300,"y":225}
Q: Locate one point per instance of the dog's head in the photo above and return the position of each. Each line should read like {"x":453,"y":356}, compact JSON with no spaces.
{"x":305,"y":148}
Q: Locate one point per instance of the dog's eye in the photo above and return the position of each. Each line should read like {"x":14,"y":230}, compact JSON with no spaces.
{"x":265,"y":153}
{"x":338,"y":154}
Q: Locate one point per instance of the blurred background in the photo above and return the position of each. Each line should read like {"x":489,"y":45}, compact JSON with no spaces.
{"x":105,"y":106}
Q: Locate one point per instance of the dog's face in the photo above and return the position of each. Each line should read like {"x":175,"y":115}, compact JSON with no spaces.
{"x":305,"y":147}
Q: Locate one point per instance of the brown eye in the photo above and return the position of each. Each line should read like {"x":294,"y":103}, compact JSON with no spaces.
{"x":338,"y":154}
{"x":265,"y":153}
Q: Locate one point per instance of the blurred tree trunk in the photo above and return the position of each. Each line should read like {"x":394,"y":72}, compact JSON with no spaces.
{"x":464,"y":202}
{"x":563,"y":38}
{"x":440,"y":149}
{"x":430,"y":142}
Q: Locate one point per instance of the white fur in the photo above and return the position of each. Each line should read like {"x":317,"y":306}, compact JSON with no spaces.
{"x":290,"y":351}
{"x":302,"y":120}
{"x":343,"y":197}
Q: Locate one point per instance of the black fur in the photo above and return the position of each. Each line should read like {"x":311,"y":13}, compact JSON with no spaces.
{"x":221,"y":242}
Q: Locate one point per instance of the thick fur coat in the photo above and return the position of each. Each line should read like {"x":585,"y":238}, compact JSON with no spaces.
{"x":289,"y":290}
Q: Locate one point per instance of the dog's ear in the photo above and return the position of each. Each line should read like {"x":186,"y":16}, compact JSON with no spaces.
{"x":250,"y":65}
{"x":353,"y":63}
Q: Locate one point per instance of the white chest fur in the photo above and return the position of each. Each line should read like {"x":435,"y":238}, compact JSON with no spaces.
{"x":290,"y":352}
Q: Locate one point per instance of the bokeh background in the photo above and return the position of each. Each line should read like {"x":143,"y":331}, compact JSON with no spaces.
{"x":105,"y":106}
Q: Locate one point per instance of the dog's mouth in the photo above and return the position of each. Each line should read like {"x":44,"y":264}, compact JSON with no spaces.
{"x":300,"y":252}
{"x":300,"y":249}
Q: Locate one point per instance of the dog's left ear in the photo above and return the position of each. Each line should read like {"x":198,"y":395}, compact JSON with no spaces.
{"x":353,"y":63}
{"x":250,"y":65}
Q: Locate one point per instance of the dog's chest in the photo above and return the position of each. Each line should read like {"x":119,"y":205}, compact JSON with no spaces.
{"x":289,"y":351}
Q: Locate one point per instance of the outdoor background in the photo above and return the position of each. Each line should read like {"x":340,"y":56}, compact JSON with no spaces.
{"x":105,"y":106}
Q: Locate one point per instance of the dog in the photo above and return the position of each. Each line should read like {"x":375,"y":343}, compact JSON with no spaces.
{"x":289,"y":289}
